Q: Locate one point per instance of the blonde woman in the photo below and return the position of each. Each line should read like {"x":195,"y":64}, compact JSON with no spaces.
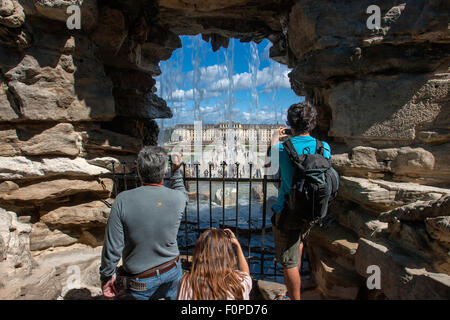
{"x":213,"y":274}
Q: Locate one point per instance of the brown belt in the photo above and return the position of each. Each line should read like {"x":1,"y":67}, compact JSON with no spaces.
{"x":154,"y":271}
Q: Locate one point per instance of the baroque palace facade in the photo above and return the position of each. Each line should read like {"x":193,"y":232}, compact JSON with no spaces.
{"x":218,"y":132}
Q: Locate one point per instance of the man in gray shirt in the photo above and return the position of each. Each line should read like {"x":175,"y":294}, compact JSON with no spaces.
{"x":142,"y":229}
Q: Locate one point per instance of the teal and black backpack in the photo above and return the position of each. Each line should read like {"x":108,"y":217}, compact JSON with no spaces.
{"x":314,"y":184}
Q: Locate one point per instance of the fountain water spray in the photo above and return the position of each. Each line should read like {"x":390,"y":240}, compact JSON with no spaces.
{"x":253,"y":65}
{"x":273,"y":66}
{"x":197,"y":92}
{"x":171,"y":80}
{"x":230,"y":140}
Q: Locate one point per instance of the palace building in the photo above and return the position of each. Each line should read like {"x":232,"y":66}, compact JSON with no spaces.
{"x":218,"y":132}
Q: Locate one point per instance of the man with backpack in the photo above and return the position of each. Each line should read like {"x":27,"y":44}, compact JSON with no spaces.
{"x":308,"y":182}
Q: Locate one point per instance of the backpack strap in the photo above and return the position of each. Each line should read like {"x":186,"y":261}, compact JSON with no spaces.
{"x":292,"y":153}
{"x":319,"y":147}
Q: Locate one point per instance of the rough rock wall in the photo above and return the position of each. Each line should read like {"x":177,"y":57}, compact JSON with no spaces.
{"x":73,"y":101}
{"x":384,"y":96}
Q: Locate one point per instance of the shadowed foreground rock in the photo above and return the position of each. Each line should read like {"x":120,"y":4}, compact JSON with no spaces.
{"x":403,"y":275}
{"x":271,"y":290}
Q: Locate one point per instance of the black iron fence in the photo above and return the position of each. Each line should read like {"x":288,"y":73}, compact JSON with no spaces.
{"x":256,"y":237}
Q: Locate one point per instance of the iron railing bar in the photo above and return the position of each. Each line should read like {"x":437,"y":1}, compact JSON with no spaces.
{"x":136,"y":178}
{"x":237,"y":197}
{"x":114,"y":179}
{"x":263,"y":233}
{"x":250,"y":209}
{"x":274,"y":268}
{"x":223,"y":192}
{"x":210,"y":195}
{"x":124,"y":176}
{"x":198,"y":198}
{"x":185,"y":214}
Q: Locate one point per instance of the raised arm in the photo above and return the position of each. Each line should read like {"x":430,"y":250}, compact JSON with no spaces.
{"x":176,"y":181}
{"x":241,"y":261}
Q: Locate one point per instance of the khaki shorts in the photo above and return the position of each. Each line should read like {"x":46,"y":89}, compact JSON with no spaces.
{"x":287,"y":247}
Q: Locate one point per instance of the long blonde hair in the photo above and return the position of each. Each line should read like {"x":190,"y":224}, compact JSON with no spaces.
{"x":213,"y":274}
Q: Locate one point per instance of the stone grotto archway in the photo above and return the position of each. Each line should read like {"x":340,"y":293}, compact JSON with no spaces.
{"x":72,"y":101}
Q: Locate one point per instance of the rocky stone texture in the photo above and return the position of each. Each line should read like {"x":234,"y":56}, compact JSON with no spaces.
{"x":403,"y":274}
{"x":15,"y":257}
{"x":332,"y":279}
{"x":438,"y":228}
{"x":382,"y":195}
{"x":422,"y":227}
{"x":62,"y":273}
{"x":419,"y":210}
{"x":202,"y":196}
{"x":52,"y":190}
{"x":347,"y":67}
{"x":87,"y":214}
{"x":15,"y":168}
{"x":409,"y":242}
{"x":257,"y":192}
{"x":415,"y":96}
{"x":361,"y":222}
{"x":60,"y":140}
{"x":42,"y":237}
{"x":270,"y":290}
{"x":76,"y":104}
{"x":331,"y":250}
{"x":105,"y":140}
{"x":52,"y":81}
{"x":407,"y":164}
{"x":230,"y":196}
{"x":121,"y":164}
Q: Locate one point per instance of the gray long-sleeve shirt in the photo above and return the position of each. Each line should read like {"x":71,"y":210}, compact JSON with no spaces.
{"x":143,"y":226}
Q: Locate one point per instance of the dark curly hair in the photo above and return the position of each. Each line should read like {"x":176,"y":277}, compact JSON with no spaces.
{"x":302,"y":117}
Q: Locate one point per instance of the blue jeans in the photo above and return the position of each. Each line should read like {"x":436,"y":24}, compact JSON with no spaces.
{"x":161,"y":286}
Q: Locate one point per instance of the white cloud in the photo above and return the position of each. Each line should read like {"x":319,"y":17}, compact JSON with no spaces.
{"x":214,"y":82}
{"x":263,"y":116}
{"x":206,"y":109}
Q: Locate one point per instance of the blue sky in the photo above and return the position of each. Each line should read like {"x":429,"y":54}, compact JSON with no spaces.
{"x":240,"y":83}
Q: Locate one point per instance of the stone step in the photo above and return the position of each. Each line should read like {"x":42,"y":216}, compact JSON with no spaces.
{"x":333,"y":280}
{"x":419,"y":210}
{"x":91,"y":214}
{"x":340,"y":241}
{"x":269,"y":290}
{"x":52,"y":190}
{"x":360,"y":221}
{"x":19,"y":168}
{"x":403,"y":275}
{"x":381,"y":195}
